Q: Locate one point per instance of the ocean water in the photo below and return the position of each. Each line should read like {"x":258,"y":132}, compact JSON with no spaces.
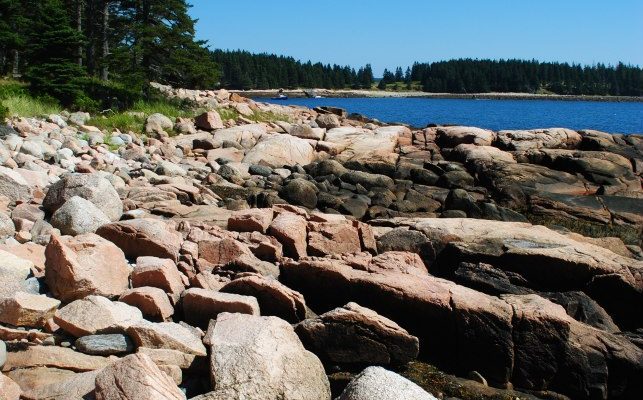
{"x":613,"y":117}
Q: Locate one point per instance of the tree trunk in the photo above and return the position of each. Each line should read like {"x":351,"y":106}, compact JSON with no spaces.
{"x":91,"y":37}
{"x":16,"y":64}
{"x":79,"y":27}
{"x":105,"y":42}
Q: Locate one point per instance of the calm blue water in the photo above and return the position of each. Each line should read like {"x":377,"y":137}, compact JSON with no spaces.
{"x":492,"y":114}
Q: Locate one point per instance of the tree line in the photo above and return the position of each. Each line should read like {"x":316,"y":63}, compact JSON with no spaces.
{"x":85,"y":52}
{"x":244,"y":70}
{"x":480,"y":76}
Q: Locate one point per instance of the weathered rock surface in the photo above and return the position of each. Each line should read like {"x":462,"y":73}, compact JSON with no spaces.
{"x":152,"y":301}
{"x":104,"y":345}
{"x":202,"y":305}
{"x":378,"y":383}
{"x":356,"y":335}
{"x":274,"y":298}
{"x":143,"y":237}
{"x":166,"y":335}
{"x":91,"y":187}
{"x":96,"y":314}
{"x":78,"y":216}
{"x":135,"y":377}
{"x":85,"y":265}
{"x":261,"y":357}
{"x":25,"y":309}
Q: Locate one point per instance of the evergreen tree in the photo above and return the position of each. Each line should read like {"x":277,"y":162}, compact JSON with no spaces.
{"x":51,"y":50}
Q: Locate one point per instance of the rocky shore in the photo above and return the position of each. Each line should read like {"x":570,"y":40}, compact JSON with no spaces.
{"x":317,"y":257}
{"x":354,"y":93}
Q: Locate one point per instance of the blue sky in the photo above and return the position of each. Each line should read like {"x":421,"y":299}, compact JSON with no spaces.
{"x":391,"y":33}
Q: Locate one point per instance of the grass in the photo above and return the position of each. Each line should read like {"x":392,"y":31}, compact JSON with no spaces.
{"x":27,"y":106}
{"x":15,"y":96}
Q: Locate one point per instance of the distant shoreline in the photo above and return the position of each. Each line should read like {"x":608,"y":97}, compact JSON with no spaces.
{"x":299,"y":93}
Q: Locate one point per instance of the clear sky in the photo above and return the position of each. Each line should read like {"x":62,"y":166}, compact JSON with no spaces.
{"x":391,"y":33}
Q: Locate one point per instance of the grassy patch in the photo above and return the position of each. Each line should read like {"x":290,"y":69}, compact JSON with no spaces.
{"x":124,"y":122}
{"x":27,"y":106}
{"x":627,"y":233}
{"x":228,"y":113}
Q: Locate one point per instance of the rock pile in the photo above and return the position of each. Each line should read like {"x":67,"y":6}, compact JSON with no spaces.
{"x":315,"y":257}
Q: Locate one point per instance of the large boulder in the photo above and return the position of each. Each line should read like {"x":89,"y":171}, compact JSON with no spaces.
{"x":478,"y":332}
{"x":274,"y":298}
{"x":545,"y":259}
{"x":325,"y":238}
{"x":290,"y":230}
{"x":159,"y":273}
{"x":91,"y":187}
{"x":301,"y":192}
{"x":143,"y":237}
{"x":209,"y":121}
{"x":166,"y":335}
{"x":29,"y":310}
{"x":554,"y":138}
{"x":96,"y":314}
{"x":357,"y":335}
{"x":262,"y":357}
{"x":136,"y":377}
{"x":14,"y":186}
{"x":451,"y":136}
{"x":84,"y":265}
{"x":202,"y":305}
{"x":78,"y":216}
{"x":276,"y":151}
{"x":378,"y":383}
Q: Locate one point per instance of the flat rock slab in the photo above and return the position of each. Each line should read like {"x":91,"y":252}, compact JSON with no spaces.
{"x":166,"y":335}
{"x":378,"y":383}
{"x":95,"y":314}
{"x":53,"y":356}
{"x":105,"y":345}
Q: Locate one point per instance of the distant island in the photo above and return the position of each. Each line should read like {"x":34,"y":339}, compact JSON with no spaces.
{"x":242,"y":70}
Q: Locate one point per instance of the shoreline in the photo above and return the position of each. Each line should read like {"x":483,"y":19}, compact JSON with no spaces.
{"x":301,"y":93}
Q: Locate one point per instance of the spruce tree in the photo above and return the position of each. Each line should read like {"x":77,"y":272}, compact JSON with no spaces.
{"x":51,"y":50}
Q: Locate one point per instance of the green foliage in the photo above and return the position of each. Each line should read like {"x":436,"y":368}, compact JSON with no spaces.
{"x":53,"y":69}
{"x":27,"y":106}
{"x":243,"y":70}
{"x":480,"y":76}
{"x":268,"y":116}
{"x":228,"y":113}
{"x":4,"y":112}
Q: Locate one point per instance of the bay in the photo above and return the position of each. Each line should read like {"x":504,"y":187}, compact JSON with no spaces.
{"x":613,"y":117}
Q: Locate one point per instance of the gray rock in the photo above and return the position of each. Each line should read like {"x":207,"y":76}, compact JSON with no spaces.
{"x":301,"y":192}
{"x":260,"y":170}
{"x":7,"y":228}
{"x":79,"y":118}
{"x":105,"y":345}
{"x":328,"y":121}
{"x":168,"y":168}
{"x":158,"y":124}
{"x":78,"y":216}
{"x":91,"y":187}
{"x":13,"y":185}
{"x":378,"y":383}
{"x":3,"y":353}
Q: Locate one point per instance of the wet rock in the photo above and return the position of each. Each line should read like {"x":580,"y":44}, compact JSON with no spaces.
{"x":274,"y":298}
{"x":95,"y":314}
{"x":378,"y":383}
{"x":91,"y":187}
{"x":301,"y":192}
{"x":274,"y":367}
{"x":357,"y":335}
{"x":135,"y":377}
{"x":78,"y":216}
{"x":104,"y":345}
{"x":85,"y":265}
{"x":143,"y":237}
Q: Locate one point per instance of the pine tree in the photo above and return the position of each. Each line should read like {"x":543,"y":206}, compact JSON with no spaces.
{"x":53,"y":68}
